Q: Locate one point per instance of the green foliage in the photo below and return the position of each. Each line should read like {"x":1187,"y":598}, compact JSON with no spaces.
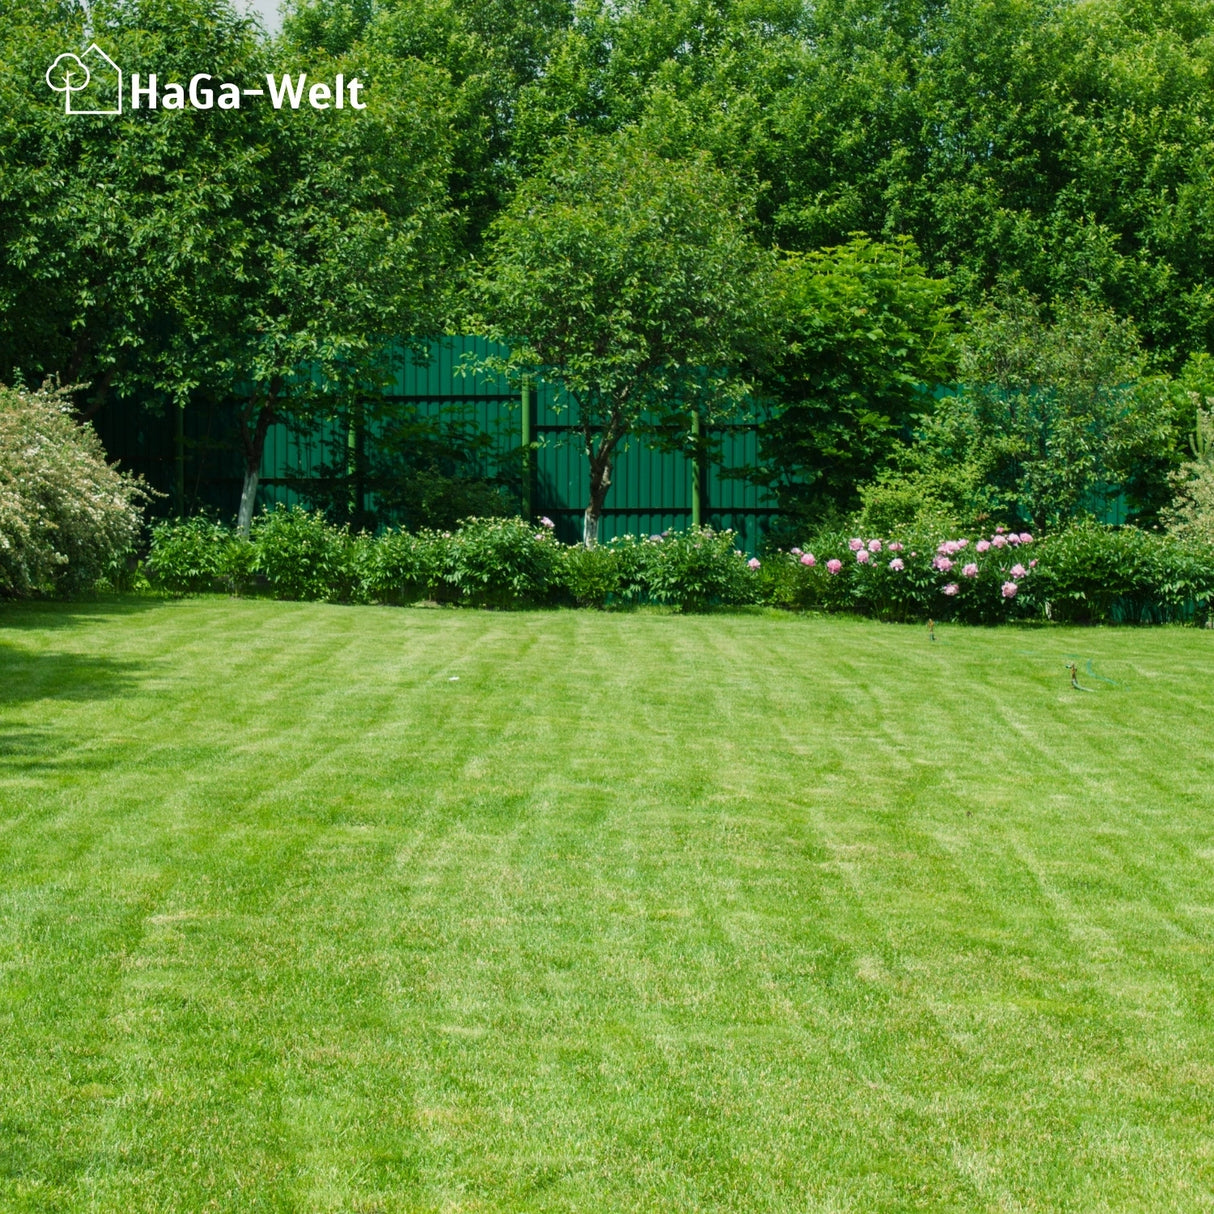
{"x":1094,"y":574}
{"x":864,"y":328}
{"x":930,"y":498}
{"x":402,"y":567}
{"x":189,"y":555}
{"x":696,"y":569}
{"x":66,"y":516}
{"x":1057,"y":417}
{"x":252,"y":255}
{"x":302,"y":556}
{"x":411,"y":471}
{"x":630,"y":279}
{"x":1191,"y":514}
{"x":503,"y":562}
{"x":593,"y":576}
{"x":1085,"y":573}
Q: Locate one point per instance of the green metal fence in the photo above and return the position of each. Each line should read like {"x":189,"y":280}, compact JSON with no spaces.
{"x":193,"y":455}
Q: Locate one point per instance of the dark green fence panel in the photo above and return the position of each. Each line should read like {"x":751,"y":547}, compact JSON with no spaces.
{"x":651,"y":491}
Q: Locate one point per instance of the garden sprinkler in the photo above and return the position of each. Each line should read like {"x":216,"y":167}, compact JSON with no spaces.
{"x":931,"y":630}
{"x":1074,"y":675}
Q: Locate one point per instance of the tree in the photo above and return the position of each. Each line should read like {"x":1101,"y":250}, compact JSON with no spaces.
{"x":630,"y":279}
{"x":865,"y":331}
{"x":264,"y":256}
{"x":1058,"y":413}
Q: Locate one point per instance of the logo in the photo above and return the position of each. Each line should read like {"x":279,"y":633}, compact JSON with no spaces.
{"x":95,"y":89}
{"x":91,"y":83}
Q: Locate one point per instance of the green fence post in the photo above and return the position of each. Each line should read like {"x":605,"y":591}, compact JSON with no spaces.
{"x":354,"y":462}
{"x":528,"y":451}
{"x":697,"y":474}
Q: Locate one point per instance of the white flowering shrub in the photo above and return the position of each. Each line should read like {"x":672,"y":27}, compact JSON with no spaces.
{"x":66,"y":516}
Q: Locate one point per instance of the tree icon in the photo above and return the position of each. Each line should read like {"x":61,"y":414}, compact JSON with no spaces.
{"x":72,"y":75}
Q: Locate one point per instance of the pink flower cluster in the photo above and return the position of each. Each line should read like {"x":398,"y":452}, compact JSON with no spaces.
{"x":833,"y":566}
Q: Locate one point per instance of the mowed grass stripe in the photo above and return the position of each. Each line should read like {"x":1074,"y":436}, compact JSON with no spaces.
{"x":318,"y":908}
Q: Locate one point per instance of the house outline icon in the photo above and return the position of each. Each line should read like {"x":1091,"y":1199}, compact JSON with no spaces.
{"x":97,"y":70}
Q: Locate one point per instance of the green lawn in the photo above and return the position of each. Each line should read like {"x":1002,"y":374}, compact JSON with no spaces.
{"x":314,"y":908}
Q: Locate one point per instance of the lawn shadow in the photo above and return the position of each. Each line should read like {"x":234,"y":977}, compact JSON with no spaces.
{"x":60,"y":613}
{"x":26,"y":676}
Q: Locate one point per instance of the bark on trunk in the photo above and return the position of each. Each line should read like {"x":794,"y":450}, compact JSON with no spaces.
{"x":248,"y":497}
{"x":253,"y":440}
{"x":600,"y":482}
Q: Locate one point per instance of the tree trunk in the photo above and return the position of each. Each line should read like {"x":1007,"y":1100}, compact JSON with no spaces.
{"x":248,"y":496}
{"x":600,"y":482}
{"x":253,"y":440}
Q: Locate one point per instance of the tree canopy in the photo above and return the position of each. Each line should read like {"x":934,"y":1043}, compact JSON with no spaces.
{"x":629,"y":278}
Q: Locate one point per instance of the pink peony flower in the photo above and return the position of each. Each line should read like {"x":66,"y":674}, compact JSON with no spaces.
{"x":833,"y":566}
{"x":971,"y":570}
{"x":1009,"y":590}
{"x":808,"y":559}
{"x":874,"y":545}
{"x":655,"y":539}
{"x":795,"y":551}
{"x":962,"y":543}
{"x":894,"y":546}
{"x":753,"y":563}
{"x":999,"y":541}
{"x":896,"y":564}
{"x":983,"y":545}
{"x":1032,"y":564}
{"x":1025,"y":538}
{"x":547,"y":522}
{"x":1013,"y":538}
{"x":943,"y":564}
{"x":1000,"y":529}
{"x":1018,"y":571}
{"x":951,"y":589}
{"x":862,"y":556}
{"x":855,"y":545}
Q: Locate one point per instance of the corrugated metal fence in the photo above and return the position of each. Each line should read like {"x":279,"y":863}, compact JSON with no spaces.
{"x":193,"y":455}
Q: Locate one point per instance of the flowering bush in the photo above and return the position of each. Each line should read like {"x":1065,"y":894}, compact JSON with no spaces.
{"x":697,"y":569}
{"x":1086,"y":573}
{"x":503,"y":562}
{"x":927,"y":578}
{"x":66,"y":516}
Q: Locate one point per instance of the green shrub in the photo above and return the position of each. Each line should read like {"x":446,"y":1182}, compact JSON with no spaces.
{"x":1094,"y":574}
{"x":697,"y":569}
{"x":503,"y":562}
{"x":188,"y":555}
{"x":394,"y":569}
{"x":66,"y":516}
{"x":593,"y":576}
{"x":304,"y":557}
